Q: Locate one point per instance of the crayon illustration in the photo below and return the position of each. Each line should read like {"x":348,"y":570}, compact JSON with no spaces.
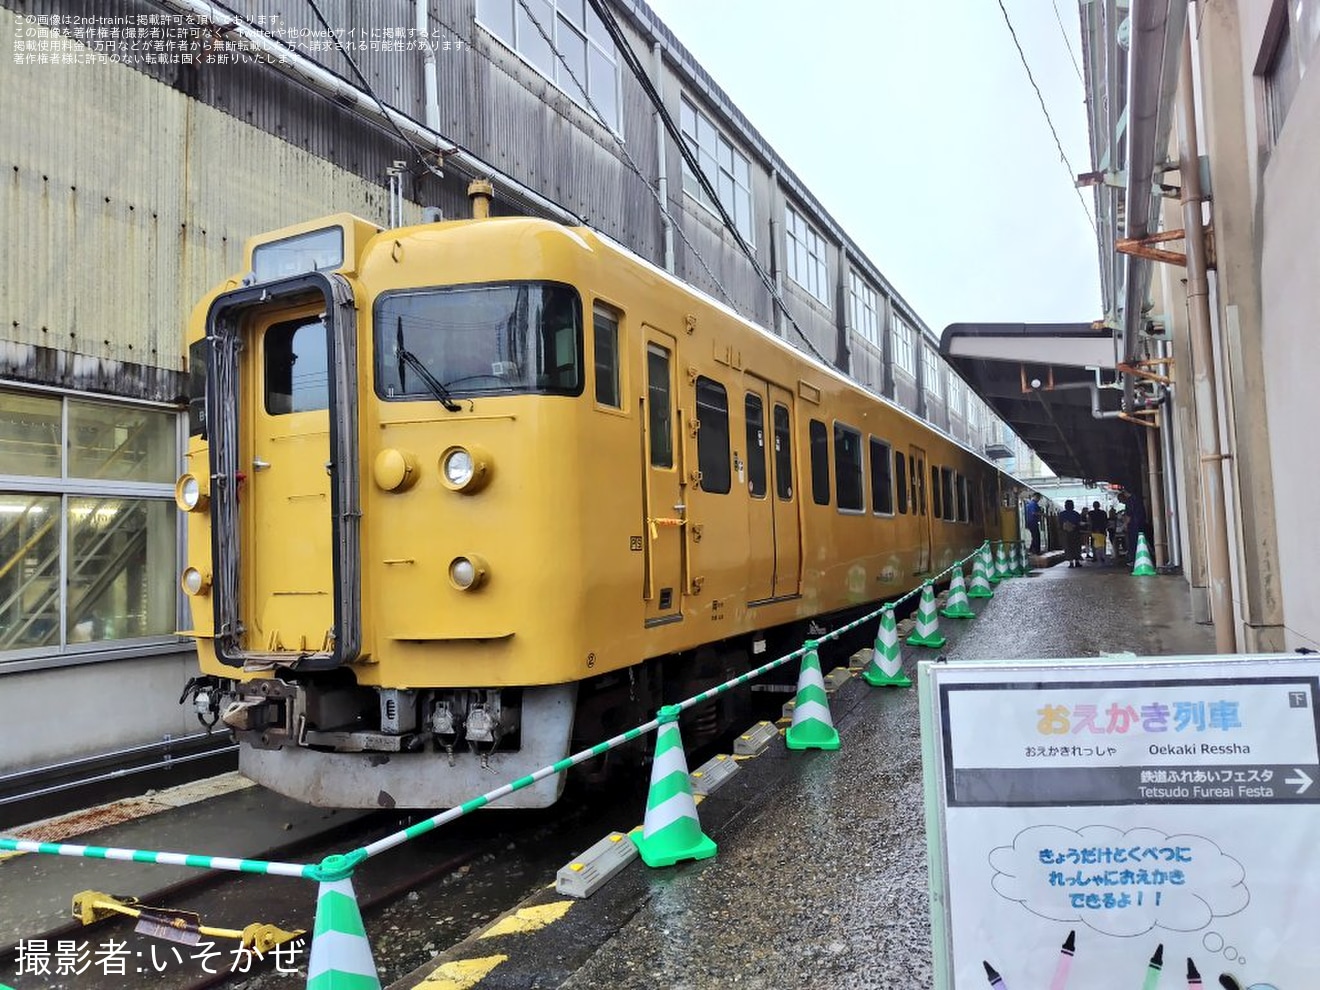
{"x":996,"y":981}
{"x":1229,"y":982}
{"x":1153,"y":969}
{"x":1193,"y":976}
{"x":1061,"y":971}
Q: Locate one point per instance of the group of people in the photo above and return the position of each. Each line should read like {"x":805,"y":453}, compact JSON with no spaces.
{"x":1100,"y":529}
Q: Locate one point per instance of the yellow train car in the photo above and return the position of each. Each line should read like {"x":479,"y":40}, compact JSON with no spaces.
{"x":463,"y":495}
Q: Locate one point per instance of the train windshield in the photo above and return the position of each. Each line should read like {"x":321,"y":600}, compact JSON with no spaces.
{"x":488,"y":339}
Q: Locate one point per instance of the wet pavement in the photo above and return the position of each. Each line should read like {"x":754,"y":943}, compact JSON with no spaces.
{"x":821,"y":875}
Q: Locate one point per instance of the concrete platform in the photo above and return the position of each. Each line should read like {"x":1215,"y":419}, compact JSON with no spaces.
{"x":821,"y":878}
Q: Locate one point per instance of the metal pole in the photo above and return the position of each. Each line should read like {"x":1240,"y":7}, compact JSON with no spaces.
{"x":1157,"y":489}
{"x":1203,"y":363}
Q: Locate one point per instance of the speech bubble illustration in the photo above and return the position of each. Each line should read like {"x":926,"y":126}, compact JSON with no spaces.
{"x":1120,"y":883}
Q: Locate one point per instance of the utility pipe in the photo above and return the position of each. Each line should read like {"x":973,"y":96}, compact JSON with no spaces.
{"x":1156,"y":489}
{"x":662,"y":164}
{"x":430,"y":82}
{"x":1203,"y":364}
{"x":321,"y":80}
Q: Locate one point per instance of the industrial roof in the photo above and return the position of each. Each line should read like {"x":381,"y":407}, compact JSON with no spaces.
{"x":1040,"y":379}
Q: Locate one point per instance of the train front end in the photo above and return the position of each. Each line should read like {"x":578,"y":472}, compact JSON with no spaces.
{"x":377,"y":560}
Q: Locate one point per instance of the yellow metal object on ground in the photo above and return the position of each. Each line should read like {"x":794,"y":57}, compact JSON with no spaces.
{"x":91,"y":906}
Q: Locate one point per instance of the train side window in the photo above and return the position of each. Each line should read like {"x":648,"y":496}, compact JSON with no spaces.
{"x":848,"y":468}
{"x":297,"y":373}
{"x":946,"y":492}
{"x":971,"y":499}
{"x":936,"y":506}
{"x":713,"y":436}
{"x":783,"y":454}
{"x":605,"y":331}
{"x":882,"y":482}
{"x":820,"y":462}
{"x":962,"y":498}
{"x":901,"y":481}
{"x":755,"y":446}
{"x":919,"y":485}
{"x":659,"y":415}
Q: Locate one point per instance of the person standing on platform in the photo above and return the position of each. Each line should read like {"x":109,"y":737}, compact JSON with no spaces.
{"x":1099,"y":524}
{"x":1112,"y":527}
{"x":1070,"y":521}
{"x":1033,"y":522}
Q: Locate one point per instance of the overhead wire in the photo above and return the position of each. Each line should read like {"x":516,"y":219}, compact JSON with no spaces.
{"x":1067,"y":43}
{"x":1063,"y":155}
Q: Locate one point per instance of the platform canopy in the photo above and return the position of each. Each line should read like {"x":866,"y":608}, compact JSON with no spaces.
{"x":1041,"y":379}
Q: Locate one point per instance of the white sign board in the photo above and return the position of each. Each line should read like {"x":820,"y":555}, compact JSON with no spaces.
{"x":1135,"y":823}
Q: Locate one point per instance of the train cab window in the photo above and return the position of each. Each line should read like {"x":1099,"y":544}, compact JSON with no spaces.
{"x":506,"y":338}
{"x":882,"y":483}
{"x":848,"y":468}
{"x":783,"y":454}
{"x":946,"y":492}
{"x":755,"y":414}
{"x":901,"y":481}
{"x":713,"y":436}
{"x":605,"y":334}
{"x":660,"y":416}
{"x":936,"y":506}
{"x":820,"y":462}
{"x":297,"y":377}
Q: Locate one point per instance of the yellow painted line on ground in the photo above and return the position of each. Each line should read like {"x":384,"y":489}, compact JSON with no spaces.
{"x":528,"y":919}
{"x":460,"y":975}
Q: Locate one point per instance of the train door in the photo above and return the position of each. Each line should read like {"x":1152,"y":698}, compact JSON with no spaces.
{"x":774,"y":529}
{"x":285,"y":492}
{"x":783,"y":486}
{"x":663,"y":489}
{"x":921,"y":516}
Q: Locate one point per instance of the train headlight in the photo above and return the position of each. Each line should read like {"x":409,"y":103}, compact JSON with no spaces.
{"x":467,"y":573}
{"x":188,"y":494}
{"x":394,"y":470}
{"x":194,"y":582}
{"x":465,"y":469}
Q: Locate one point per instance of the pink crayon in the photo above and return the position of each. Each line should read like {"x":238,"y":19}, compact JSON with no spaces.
{"x":1062,"y":970}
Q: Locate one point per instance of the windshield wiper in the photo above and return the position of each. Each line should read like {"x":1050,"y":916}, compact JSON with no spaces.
{"x":432,"y":384}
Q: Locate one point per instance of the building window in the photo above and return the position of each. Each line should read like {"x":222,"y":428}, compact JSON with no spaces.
{"x":805,"y":254}
{"x":89,"y":548}
{"x":578,"y":35}
{"x":903,"y":355}
{"x":1290,"y":37}
{"x":605,"y":329}
{"x":933,"y":374}
{"x":956,"y":396}
{"x":882,"y":485}
{"x":848,"y":468}
{"x":713,"y":437}
{"x":728,"y":170}
{"x":864,"y":306}
{"x":820,"y":462}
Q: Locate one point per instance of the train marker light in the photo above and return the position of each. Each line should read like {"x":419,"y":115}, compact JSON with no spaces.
{"x":194,"y":582}
{"x":188,"y":494}
{"x":467,"y":573}
{"x":394,"y":470}
{"x":464,"y":469}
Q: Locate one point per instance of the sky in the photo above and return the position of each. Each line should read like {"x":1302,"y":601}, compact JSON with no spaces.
{"x":915,"y":124}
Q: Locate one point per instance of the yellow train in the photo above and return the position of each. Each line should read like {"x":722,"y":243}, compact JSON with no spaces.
{"x":461,"y":496}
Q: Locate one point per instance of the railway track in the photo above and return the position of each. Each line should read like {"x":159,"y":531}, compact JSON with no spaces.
{"x":415,"y":900}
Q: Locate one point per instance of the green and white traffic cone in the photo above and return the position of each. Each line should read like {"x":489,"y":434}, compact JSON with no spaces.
{"x":927,"y":632}
{"x":886,"y":666}
{"x":1019,"y":561}
{"x":1143,"y":565}
{"x":812,"y":726}
{"x":341,"y":955}
{"x":1000,"y":573}
{"x":671,"y":831}
{"x":1025,"y":558}
{"x":980,"y":575}
{"x":957,"y":607}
